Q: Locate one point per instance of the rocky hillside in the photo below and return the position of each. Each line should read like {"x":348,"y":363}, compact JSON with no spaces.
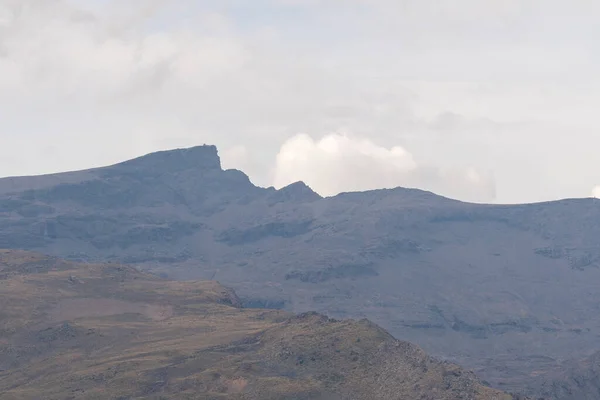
{"x":105,"y":331}
{"x":509,"y":291}
{"x":571,"y":380}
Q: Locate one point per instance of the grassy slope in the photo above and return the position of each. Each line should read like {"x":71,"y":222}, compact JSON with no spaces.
{"x":72,"y":331}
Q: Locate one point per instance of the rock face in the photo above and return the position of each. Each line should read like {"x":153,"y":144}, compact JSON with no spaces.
{"x":96,"y":331}
{"x":506,"y":290}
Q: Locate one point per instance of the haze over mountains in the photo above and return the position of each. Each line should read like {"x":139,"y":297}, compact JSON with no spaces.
{"x":508,"y":291}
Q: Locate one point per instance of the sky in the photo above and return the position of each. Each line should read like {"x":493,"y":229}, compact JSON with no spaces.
{"x":484,"y":101}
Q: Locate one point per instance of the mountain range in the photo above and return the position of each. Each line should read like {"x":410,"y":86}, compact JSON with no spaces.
{"x":508,"y":291}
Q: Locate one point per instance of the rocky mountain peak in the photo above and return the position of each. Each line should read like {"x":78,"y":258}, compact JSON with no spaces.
{"x":203,"y":157}
{"x":297,"y":191}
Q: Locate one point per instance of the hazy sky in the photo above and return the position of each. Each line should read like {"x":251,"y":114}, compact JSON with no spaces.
{"x":490,"y":101}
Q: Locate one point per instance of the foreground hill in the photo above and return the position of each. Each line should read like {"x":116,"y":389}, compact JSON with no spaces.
{"x":100,"y":331}
{"x":509,"y":291}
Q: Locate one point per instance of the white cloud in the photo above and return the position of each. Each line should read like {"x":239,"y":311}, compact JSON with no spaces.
{"x":596,"y":192}
{"x":63,"y":55}
{"x":339,"y":163}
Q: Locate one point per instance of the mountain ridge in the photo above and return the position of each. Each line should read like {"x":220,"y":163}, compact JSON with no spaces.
{"x":207,"y":157}
{"x":506,"y":290}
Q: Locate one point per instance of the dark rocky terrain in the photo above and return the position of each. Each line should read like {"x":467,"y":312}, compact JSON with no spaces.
{"x":106,"y":331}
{"x":509,"y":291}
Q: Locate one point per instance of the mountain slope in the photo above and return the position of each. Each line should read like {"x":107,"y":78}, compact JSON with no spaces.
{"x":571,"y":380}
{"x":98,"y":331}
{"x":506,"y":290}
